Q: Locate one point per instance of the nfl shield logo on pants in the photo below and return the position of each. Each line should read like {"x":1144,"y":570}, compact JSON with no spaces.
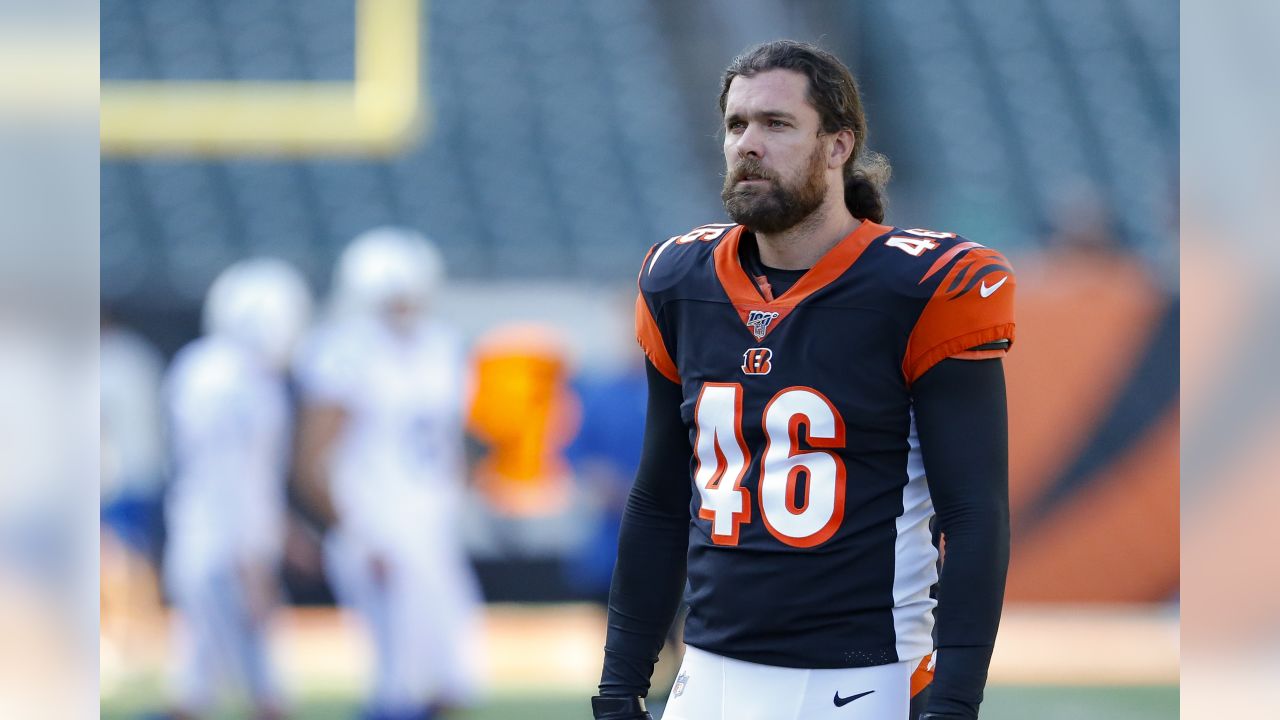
{"x":678,"y":688}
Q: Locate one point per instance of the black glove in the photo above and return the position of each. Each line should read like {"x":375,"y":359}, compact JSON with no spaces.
{"x":619,"y":707}
{"x":940,"y":716}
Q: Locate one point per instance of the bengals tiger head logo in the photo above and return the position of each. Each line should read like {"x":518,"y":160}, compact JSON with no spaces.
{"x":757,"y":361}
{"x":758,"y":321}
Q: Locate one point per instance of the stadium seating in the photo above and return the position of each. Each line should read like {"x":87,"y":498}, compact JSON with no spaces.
{"x":559,"y":145}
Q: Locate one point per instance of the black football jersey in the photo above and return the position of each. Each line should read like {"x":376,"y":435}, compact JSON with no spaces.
{"x":809,"y":537}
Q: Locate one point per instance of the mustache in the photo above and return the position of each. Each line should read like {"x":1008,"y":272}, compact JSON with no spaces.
{"x":750,"y":167}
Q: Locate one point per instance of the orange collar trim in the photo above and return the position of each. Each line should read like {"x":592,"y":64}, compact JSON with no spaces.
{"x":746,"y":296}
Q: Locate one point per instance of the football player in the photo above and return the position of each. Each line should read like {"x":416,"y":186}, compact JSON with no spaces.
{"x":231,"y":428}
{"x":381,"y":459}
{"x":823,"y":390}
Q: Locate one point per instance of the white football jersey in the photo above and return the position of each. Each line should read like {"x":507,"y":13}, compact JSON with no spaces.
{"x":133,"y":451}
{"x":398,"y":464}
{"x":231,"y":429}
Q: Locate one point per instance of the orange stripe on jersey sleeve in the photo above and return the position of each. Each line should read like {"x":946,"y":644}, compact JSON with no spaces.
{"x":650,"y":338}
{"x":973,"y":305}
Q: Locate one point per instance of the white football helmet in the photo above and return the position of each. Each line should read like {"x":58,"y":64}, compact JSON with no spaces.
{"x":387,"y":267}
{"x":263,"y":304}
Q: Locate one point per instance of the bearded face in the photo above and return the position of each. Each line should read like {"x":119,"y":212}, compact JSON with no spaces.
{"x":758,"y":198}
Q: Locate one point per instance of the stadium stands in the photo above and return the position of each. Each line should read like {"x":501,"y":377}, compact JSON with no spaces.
{"x":539,"y":161}
{"x":560,"y":142}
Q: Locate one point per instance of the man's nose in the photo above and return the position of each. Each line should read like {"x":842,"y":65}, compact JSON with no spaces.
{"x":751,"y":142}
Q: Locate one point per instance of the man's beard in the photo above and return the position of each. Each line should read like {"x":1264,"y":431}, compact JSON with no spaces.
{"x":778,"y":207}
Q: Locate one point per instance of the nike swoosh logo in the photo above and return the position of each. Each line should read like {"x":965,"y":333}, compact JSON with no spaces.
{"x":985,"y":291}
{"x":841,"y":702}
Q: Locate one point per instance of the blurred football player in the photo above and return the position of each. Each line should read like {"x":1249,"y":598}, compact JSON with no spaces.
{"x":231,"y":428}
{"x":807,"y":365}
{"x":133,"y":471}
{"x":381,"y":459}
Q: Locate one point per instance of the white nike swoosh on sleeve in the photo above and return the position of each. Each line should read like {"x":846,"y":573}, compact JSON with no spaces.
{"x":985,"y":291}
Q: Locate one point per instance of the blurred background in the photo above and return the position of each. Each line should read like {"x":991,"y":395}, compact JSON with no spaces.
{"x":543,"y":147}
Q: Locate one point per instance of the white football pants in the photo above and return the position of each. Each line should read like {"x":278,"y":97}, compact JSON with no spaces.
{"x":423,"y":623}
{"x":713,"y":687}
{"x":218,"y":646}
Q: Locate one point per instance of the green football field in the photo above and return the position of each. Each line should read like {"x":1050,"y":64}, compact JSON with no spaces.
{"x":1003,"y":703}
{"x":324,"y":662}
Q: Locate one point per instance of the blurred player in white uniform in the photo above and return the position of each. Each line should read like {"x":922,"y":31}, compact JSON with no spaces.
{"x":384,"y":385}
{"x":232,"y":436}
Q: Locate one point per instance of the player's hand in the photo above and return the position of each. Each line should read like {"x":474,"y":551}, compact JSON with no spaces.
{"x":940,"y":716}
{"x":619,"y":707}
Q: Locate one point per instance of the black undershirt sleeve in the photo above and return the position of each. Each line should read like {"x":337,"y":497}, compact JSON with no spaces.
{"x":648,"y":579}
{"x":962,"y":421}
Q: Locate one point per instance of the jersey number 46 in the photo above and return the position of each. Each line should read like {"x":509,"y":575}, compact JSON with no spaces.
{"x":722,"y":458}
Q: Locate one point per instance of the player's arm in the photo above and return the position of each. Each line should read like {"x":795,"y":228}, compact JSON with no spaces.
{"x":319,"y":427}
{"x":649,"y":576}
{"x":962,"y":421}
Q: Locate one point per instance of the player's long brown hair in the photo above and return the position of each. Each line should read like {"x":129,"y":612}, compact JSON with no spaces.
{"x":833,"y":91}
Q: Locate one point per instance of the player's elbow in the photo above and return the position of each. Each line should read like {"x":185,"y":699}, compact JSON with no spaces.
{"x":650,"y":508}
{"x":986,"y":519}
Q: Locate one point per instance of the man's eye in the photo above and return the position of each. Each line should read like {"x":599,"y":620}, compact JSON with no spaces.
{"x":737,"y":125}
{"x":777,"y":123}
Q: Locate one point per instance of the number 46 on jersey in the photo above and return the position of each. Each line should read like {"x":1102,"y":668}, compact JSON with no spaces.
{"x":722,"y":458}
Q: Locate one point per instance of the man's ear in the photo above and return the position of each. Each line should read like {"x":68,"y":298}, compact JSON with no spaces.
{"x":841,"y":148}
